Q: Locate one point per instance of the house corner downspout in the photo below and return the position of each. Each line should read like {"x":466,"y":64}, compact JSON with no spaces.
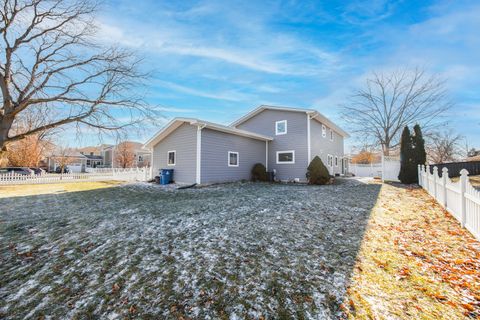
{"x":198,"y":177}
{"x":266,"y":155}
{"x":309,"y":145}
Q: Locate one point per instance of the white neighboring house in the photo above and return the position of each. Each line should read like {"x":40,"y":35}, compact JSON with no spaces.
{"x":71,"y":158}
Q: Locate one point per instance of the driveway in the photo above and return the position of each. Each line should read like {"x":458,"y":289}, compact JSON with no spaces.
{"x":228,"y":251}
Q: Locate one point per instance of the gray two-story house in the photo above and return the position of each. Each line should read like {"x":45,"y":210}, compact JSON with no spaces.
{"x":284,"y":139}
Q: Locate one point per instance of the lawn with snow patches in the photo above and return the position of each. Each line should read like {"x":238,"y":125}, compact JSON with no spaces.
{"x":238,"y":250}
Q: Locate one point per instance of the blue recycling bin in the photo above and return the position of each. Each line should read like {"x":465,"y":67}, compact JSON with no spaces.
{"x":166,"y":176}
{"x":164,"y":179}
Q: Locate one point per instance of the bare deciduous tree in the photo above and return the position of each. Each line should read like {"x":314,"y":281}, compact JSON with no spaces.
{"x":124,"y":155}
{"x":63,"y":157}
{"x":392,"y":101}
{"x":29,"y":151}
{"x":365,"y":157}
{"x":51,"y":61}
{"x":444,"y":146}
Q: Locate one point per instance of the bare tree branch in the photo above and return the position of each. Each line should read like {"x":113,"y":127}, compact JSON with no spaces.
{"x":391,"y":101}
{"x":50,"y":61}
{"x":444,"y":146}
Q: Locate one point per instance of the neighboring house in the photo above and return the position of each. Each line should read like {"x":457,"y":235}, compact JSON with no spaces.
{"x":93,"y":155}
{"x":71,"y":158}
{"x":114,"y":154}
{"x":285,"y":140}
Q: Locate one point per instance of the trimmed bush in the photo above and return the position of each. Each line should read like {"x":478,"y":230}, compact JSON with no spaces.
{"x":259,"y":172}
{"x":317,"y":173}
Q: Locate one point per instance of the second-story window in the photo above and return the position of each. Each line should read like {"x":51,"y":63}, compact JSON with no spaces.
{"x":324,"y":131}
{"x":331,"y":135}
{"x":281,"y":127}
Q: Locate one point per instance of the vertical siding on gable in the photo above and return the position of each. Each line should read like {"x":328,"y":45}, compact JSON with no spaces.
{"x":295,"y":139}
{"x":322,"y":147}
{"x":215,"y":147}
{"x":184,"y":141}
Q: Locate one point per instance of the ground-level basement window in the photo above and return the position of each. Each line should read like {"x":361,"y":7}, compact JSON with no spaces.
{"x":285,"y":157}
{"x":232,"y":159}
{"x":171,"y":158}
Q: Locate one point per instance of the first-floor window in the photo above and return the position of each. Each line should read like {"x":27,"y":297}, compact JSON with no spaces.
{"x":171,"y":158}
{"x":232,"y":159}
{"x":330,"y":160}
{"x":336,"y":161}
{"x":285,"y":157}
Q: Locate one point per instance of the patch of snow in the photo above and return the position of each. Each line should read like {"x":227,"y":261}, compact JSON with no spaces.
{"x":243,"y":250}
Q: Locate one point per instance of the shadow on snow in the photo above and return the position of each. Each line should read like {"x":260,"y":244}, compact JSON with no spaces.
{"x":240,"y":249}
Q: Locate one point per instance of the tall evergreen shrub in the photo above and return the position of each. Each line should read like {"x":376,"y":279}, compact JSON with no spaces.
{"x":419,"y":146}
{"x":408,"y":170}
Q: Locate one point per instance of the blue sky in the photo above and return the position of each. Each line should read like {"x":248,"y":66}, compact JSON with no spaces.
{"x":216,"y":60}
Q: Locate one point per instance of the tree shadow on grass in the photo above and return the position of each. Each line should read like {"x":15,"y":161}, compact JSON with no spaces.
{"x":241,"y":249}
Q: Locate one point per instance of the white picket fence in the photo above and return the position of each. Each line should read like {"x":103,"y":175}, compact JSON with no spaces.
{"x":105,"y":174}
{"x":460,"y":198}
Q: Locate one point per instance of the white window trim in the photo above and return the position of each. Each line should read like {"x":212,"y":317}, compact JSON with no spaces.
{"x":324,"y":131}
{"x":286,"y":162}
{"x":330,"y":160}
{"x":336,"y":161}
{"x":174,"y":157}
{"x":331,"y":135}
{"x":238,"y":159}
{"x":276,"y":127}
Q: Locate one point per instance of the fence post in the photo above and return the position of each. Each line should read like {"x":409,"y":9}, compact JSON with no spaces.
{"x":435,"y":177}
{"x":423,"y":175}
{"x":463,"y":204}
{"x":444,"y":186}
{"x":419,"y":173}
{"x":427,"y":171}
{"x":383,"y":167}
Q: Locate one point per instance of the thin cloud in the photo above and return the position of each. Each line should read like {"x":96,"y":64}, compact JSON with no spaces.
{"x":227,"y":95}
{"x":175,"y":110}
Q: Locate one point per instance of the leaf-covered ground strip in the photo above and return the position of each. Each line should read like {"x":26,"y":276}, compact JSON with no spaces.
{"x":415,"y":262}
{"x":233,"y":251}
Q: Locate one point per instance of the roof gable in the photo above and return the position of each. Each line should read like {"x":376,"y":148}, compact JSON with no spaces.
{"x":313,"y":113}
{"x":177,"y":122}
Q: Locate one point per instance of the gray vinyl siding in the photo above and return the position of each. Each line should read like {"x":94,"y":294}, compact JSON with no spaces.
{"x":321,"y":146}
{"x":294,"y":139}
{"x":215,"y":147}
{"x":184,"y":141}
